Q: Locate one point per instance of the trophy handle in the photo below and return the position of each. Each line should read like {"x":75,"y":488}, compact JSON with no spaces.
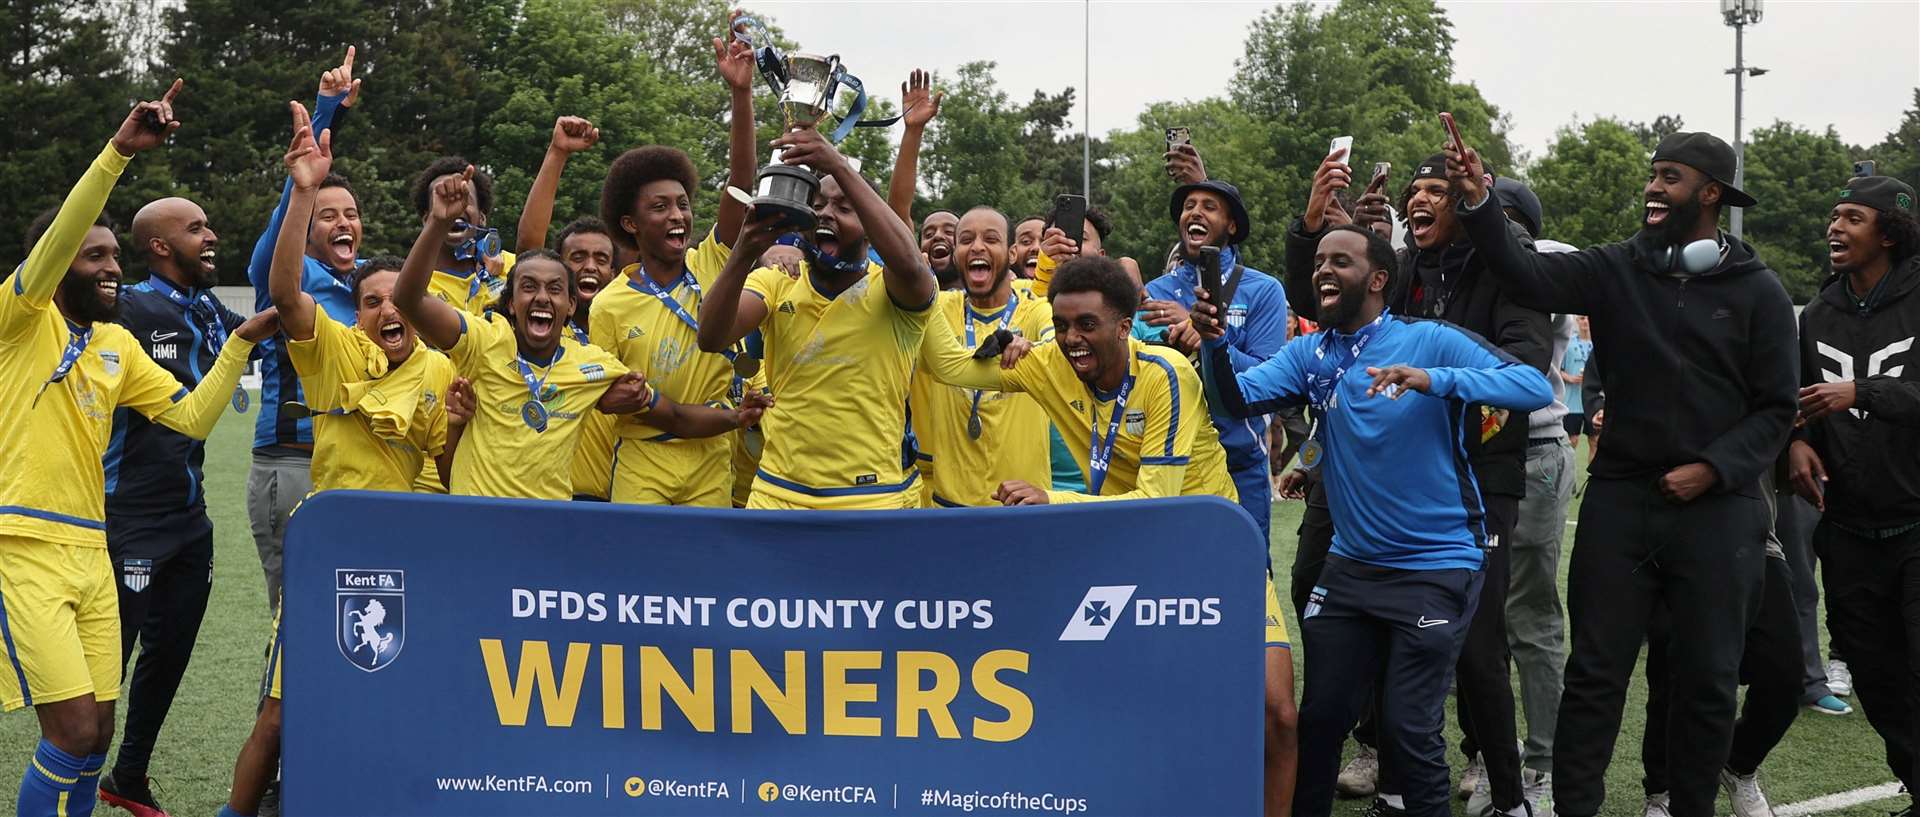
{"x":852,"y":117}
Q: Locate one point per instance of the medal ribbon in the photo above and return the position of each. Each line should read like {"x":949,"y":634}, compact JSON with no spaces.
{"x":1006,"y":319}
{"x":1101,"y":455}
{"x":534,"y":386}
{"x":1323,"y":377}
{"x":76,"y":346}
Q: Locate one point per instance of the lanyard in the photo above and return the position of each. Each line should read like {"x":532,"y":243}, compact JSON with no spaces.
{"x":579,"y":335}
{"x":535,"y":386}
{"x":76,"y":346}
{"x":1101,"y":455}
{"x":211,"y":314}
{"x":974,"y":428}
{"x":667,"y":300}
{"x":1322,"y":383}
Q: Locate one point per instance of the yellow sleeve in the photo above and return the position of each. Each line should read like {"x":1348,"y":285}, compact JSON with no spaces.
{"x":196,"y":415}
{"x":478,"y":333}
{"x":1167,"y":444}
{"x":706,"y":260}
{"x":768,"y":283}
{"x":1042,"y":274}
{"x":325,"y":361}
{"x":33,"y":284}
{"x":951,"y":363}
{"x":602,"y":324}
{"x":434,"y":432}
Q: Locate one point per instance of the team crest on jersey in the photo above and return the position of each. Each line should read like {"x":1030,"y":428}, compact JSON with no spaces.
{"x":112,"y":362}
{"x":593,"y":372}
{"x":370,"y":610}
{"x":136,"y":574}
{"x":1237,"y":316}
{"x":1136,"y":421}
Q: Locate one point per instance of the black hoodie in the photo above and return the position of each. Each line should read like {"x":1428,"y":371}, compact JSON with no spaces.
{"x":1701,"y":368}
{"x":1497,"y":445}
{"x":1871,"y":452}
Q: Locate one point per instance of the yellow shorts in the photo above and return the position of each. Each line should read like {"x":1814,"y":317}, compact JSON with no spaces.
{"x":272,"y":681}
{"x":1276,"y":623}
{"x":59,"y":623}
{"x":768,"y":497}
{"x":593,"y":456}
{"x":680,"y":472}
{"x":744,"y":464}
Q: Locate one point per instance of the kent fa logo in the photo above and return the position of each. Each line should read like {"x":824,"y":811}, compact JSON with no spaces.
{"x":1096,"y":614}
{"x":1876,"y":365}
{"x":370,"y":611}
{"x":136,"y":574}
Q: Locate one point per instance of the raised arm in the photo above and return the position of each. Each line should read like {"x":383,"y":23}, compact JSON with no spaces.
{"x":49,"y":258}
{"x":571,"y":134}
{"x":1548,"y":282}
{"x":338,"y":89}
{"x":909,"y":282}
{"x":436,"y":321}
{"x":1278,"y":382}
{"x":921,"y":107}
{"x":196,"y":413}
{"x":735,"y":60}
{"x":725,"y":317}
{"x":307,"y":165}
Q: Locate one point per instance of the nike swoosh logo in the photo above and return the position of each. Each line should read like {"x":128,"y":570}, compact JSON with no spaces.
{"x":160,"y":336}
{"x":1425,"y":622}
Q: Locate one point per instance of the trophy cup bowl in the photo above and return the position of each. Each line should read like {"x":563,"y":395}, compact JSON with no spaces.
{"x":805,"y":99}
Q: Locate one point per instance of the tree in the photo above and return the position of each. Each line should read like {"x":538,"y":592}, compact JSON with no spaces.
{"x":1588,"y":182}
{"x":1662,"y":126}
{"x":1899,"y":154}
{"x":1795,"y":174}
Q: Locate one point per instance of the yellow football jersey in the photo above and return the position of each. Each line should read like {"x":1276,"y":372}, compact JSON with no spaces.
{"x":962,"y":468}
{"x":374,"y":427}
{"x":469,"y":293}
{"x":654,"y":331}
{"x":53,"y":434}
{"x":1164,"y":444}
{"x":838,"y":368}
{"x":499,"y":453}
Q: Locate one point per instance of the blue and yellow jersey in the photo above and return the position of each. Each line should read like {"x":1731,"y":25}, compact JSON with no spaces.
{"x":53,"y":433}
{"x":1164,"y":444}
{"x":838,"y":367}
{"x":963,"y":468}
{"x":375,"y":426}
{"x":499,"y":453}
{"x":470,"y":292}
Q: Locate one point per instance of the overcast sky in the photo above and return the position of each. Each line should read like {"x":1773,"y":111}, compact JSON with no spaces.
{"x":1852,"y":64}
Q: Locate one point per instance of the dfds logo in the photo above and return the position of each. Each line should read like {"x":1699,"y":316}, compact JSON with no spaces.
{"x":370,"y":611}
{"x":1104,"y":606}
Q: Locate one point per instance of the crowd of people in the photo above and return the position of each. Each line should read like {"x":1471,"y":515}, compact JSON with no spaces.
{"x":1425,"y":401}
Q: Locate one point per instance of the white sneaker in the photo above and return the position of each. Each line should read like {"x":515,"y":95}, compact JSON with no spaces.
{"x":1537,"y":788}
{"x":1657,"y":805}
{"x":1839,"y":679}
{"x":1472,"y":779}
{"x":1744,"y":792}
{"x":1361,"y":776}
{"x":1480,"y":802}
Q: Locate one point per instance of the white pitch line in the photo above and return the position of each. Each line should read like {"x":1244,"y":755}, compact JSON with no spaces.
{"x":1835,"y":802}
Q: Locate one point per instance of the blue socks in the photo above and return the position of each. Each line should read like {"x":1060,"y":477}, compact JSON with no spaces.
{"x":227,"y":811}
{"x":59,"y":783}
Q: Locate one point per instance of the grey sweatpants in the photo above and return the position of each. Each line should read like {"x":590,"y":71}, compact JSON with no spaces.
{"x":1536,"y":625}
{"x":274,"y":486}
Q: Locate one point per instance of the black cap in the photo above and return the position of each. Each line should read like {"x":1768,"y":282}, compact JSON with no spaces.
{"x":1512,"y":193}
{"x":1883,"y":193}
{"x":1705,"y":152}
{"x":1434,"y":167}
{"x":1235,"y":205}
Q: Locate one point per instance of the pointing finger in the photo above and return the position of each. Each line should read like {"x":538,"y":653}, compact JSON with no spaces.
{"x":347,"y":64}
{"x":178,"y":83}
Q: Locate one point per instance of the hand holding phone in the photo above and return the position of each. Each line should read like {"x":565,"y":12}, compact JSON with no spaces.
{"x":1178,"y":136}
{"x":1342,"y":145}
{"x":1379,"y":181}
{"x":1453,"y":133}
{"x":1863,"y":168}
{"x":1070,"y":215}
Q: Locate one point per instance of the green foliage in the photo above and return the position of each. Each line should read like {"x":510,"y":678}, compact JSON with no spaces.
{"x":1587,"y":181}
{"x":1899,"y":154}
{"x":1795,"y":174}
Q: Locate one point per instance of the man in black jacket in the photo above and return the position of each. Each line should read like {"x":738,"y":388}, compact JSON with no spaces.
{"x":1699,"y":337}
{"x":1441,"y":277}
{"x":1855,"y":456}
{"x":158,"y":533}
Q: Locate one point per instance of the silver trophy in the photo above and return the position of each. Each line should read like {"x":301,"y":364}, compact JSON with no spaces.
{"x":806,"y":85}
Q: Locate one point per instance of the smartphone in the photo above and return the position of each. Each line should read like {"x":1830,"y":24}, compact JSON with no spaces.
{"x":1453,"y":133}
{"x":1863,"y":168}
{"x":1178,"y":136}
{"x":1070,"y":215}
{"x":1341,"y":143}
{"x":1210,"y":274}
{"x":1379,"y":180}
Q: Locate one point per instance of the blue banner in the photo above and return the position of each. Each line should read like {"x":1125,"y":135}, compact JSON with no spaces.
{"x":456,"y":656}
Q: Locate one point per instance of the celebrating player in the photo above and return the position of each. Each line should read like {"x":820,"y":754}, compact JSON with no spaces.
{"x":648,"y":318}
{"x":840,"y":342}
{"x":532,"y":383}
{"x":66,"y":367}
